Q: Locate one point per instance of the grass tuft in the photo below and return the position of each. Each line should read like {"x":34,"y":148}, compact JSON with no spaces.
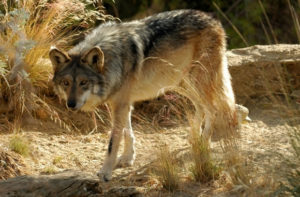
{"x":203,"y":168}
{"x":56,"y":160}
{"x":292,"y":186}
{"x":19,"y":145}
{"x":49,"y":170}
{"x":235,"y":165}
{"x":167,"y":169}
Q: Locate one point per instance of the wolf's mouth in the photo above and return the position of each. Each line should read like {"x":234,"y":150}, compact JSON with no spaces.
{"x":73,"y":109}
{"x":86,"y":107}
{"x":91,"y":103}
{"x":76,"y":106}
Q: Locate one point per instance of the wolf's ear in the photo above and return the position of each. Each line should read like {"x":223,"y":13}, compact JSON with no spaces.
{"x":94,"y":58}
{"x":58,"y":58}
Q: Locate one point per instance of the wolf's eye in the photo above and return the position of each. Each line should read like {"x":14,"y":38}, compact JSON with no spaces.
{"x":65,"y":83}
{"x":83,"y":82}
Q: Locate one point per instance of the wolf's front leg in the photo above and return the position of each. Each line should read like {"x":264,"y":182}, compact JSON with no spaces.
{"x":128,"y":155}
{"x":120,"y":113}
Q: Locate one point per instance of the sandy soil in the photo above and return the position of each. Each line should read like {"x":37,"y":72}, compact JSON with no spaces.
{"x":261,"y":143}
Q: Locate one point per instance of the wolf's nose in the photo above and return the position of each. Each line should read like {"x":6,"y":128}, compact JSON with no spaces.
{"x":71,"y":104}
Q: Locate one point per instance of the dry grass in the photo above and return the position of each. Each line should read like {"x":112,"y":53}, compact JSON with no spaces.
{"x":19,"y":145}
{"x":28,"y":29}
{"x":289,"y":112}
{"x":203,"y":167}
{"x":242,"y":176}
{"x":49,"y":170}
{"x":236,"y":166}
{"x":294,"y":174}
{"x":293,"y":167}
{"x":56,"y":160}
{"x":167,"y":169}
{"x":166,"y":111}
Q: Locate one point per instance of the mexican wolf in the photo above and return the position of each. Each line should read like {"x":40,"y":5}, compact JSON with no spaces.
{"x":121,"y":63}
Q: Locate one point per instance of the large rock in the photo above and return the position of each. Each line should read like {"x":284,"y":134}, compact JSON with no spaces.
{"x":264,"y":70}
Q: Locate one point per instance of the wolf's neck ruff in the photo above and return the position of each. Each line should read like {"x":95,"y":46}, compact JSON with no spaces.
{"x":121,"y":63}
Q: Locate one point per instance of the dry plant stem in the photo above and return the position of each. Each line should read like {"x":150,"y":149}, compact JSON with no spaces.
{"x":232,"y":25}
{"x":268,"y":21}
{"x":167,"y":169}
{"x":203,"y":168}
{"x":295,"y":19}
{"x":235,"y":164}
{"x":265,"y":31}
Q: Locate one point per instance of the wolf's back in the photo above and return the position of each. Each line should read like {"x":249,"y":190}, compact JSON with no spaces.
{"x":174,"y":28}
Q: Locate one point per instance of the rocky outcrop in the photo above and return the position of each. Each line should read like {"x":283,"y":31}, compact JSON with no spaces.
{"x":265,"y":70}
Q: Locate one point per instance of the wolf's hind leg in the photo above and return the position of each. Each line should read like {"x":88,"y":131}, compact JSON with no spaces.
{"x":211,"y":78}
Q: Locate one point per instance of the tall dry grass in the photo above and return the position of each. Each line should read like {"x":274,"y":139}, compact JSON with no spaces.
{"x":236,"y":168}
{"x":167,"y":169}
{"x":27,"y":30}
{"x":292,"y":171}
{"x":203,"y":167}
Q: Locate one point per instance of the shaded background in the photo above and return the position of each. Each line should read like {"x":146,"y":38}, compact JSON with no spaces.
{"x":259,"y":22}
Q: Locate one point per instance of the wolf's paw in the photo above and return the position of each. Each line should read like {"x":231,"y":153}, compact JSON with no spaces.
{"x":125,"y":161}
{"x":104,"y":175}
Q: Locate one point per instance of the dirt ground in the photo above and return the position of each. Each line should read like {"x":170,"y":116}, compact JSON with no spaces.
{"x":263,"y":142}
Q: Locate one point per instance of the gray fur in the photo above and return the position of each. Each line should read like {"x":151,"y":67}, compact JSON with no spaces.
{"x":121,"y":63}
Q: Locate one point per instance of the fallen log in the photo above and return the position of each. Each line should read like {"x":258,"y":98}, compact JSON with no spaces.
{"x":67,"y":183}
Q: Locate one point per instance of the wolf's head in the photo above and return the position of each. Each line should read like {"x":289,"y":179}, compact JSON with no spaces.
{"x":78,"y":79}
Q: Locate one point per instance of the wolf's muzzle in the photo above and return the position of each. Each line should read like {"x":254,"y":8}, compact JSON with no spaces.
{"x":71,"y":104}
